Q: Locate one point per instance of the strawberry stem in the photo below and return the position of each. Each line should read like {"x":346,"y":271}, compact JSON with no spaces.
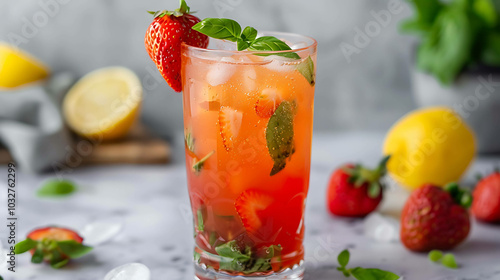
{"x":461,"y":196}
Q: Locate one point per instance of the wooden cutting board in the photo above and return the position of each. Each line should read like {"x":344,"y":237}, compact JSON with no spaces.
{"x":139,"y":147}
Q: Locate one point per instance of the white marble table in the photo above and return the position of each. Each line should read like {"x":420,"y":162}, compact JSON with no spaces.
{"x":152,"y":204}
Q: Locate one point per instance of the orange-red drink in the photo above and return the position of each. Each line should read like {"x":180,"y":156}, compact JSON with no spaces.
{"x":248,"y":121}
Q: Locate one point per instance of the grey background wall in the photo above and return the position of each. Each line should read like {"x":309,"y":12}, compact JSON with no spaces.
{"x":369,"y":88}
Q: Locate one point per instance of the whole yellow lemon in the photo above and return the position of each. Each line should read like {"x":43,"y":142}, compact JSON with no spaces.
{"x":431,"y":145}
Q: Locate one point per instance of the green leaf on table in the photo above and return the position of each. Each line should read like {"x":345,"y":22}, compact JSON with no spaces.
{"x":343,"y":258}
{"x":73,"y":249}
{"x":59,"y":264}
{"x":219,"y":28}
{"x":56,"y":188}
{"x":372,"y":274}
{"x":435,"y":255}
{"x":449,"y":261}
{"x":25,"y":246}
{"x":37,"y":256}
{"x":279,"y":135}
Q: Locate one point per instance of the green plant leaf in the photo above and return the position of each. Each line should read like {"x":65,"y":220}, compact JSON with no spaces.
{"x":56,"y":188}
{"x":73,"y":249}
{"x":485,"y":9}
{"x":249,"y":34}
{"x":198,"y":165}
{"x":270,"y":43}
{"x":373,"y":274}
{"x":199,"y":215}
{"x":37,"y":256}
{"x":491,"y":49}
{"x":448,"y":260}
{"x":219,"y":28}
{"x":306,"y":68}
{"x":279,"y":135}
{"x":446,"y":50}
{"x":435,"y":255}
{"x":25,"y":246}
{"x":343,"y":258}
{"x":426,"y":14}
{"x":59,"y":264}
{"x":242,"y":44}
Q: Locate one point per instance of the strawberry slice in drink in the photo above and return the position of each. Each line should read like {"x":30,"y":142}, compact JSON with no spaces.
{"x":267,"y":103}
{"x":230,"y":123}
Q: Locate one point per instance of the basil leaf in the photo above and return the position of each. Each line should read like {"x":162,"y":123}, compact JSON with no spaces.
{"x":219,"y":28}
{"x":486,"y":11}
{"x":491,"y":49}
{"x":448,"y":260}
{"x":37,"y":256}
{"x":372,"y":274}
{"x":279,"y":136}
{"x":427,"y":12}
{"x":200,"y":220}
{"x":57,"y":188}
{"x":270,"y":43}
{"x":249,"y":34}
{"x":343,"y":258}
{"x":306,"y":68}
{"x":73,"y":249}
{"x":260,"y":265}
{"x":25,"y":246}
{"x":231,"y":250}
{"x":198,"y":165}
{"x":242,"y":44}
{"x":59,"y":264}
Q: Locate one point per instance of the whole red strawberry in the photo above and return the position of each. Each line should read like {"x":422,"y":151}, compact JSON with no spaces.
{"x":355,"y":191}
{"x":163,"y":41}
{"x":486,"y":203}
{"x":435,"y":219}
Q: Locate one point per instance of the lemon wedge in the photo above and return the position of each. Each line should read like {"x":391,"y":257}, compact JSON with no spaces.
{"x":18,"y":68}
{"x":104,"y":104}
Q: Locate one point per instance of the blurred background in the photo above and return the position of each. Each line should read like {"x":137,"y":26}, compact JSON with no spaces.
{"x":367,"y":89}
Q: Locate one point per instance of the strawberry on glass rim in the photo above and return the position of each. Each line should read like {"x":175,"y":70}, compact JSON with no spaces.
{"x":54,"y":245}
{"x":164,"y":37}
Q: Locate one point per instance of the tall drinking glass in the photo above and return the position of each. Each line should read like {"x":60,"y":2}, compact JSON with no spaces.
{"x":248,"y":119}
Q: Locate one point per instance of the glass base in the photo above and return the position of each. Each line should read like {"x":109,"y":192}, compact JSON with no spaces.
{"x":203,"y":273}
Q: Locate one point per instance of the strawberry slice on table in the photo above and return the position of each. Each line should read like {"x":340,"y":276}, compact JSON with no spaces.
{"x":230,"y":124}
{"x":267,"y":103}
{"x":54,"y":245}
{"x":164,"y":37}
{"x":486,"y":202}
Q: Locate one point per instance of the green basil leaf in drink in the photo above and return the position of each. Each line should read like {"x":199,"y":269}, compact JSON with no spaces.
{"x":199,"y":216}
{"x":56,"y":188}
{"x":197,"y":257}
{"x":189,"y":140}
{"x":37,"y":256}
{"x":198,"y":165}
{"x":249,"y":34}
{"x":260,"y":265}
{"x":270,"y":43}
{"x":372,"y":274}
{"x":219,"y":28}
{"x":279,"y":136}
{"x":306,"y":68}
{"x":73,"y":249}
{"x":24,"y":246}
{"x":343,"y":258}
{"x":231,"y":250}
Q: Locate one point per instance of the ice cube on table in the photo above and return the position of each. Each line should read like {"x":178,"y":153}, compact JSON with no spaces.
{"x":130,"y":271}
{"x":98,"y":232}
{"x":221,"y":72}
{"x":381,"y":228}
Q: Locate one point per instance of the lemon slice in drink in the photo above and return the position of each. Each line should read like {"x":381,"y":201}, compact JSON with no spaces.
{"x":18,"y":67}
{"x":104,"y":104}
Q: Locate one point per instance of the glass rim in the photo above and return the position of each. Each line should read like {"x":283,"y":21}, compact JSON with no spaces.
{"x":312,"y":44}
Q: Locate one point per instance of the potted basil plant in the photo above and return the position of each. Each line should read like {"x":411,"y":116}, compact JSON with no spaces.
{"x":458,"y":62}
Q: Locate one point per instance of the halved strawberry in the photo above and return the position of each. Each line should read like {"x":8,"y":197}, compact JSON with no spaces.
{"x":54,"y":245}
{"x":163,"y":41}
{"x":248,"y":205}
{"x":54,"y":233}
{"x":268,"y":101}
{"x":230,"y":124}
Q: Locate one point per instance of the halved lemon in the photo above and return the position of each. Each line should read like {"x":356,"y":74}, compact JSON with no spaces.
{"x":18,"y":68}
{"x":104,"y":104}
